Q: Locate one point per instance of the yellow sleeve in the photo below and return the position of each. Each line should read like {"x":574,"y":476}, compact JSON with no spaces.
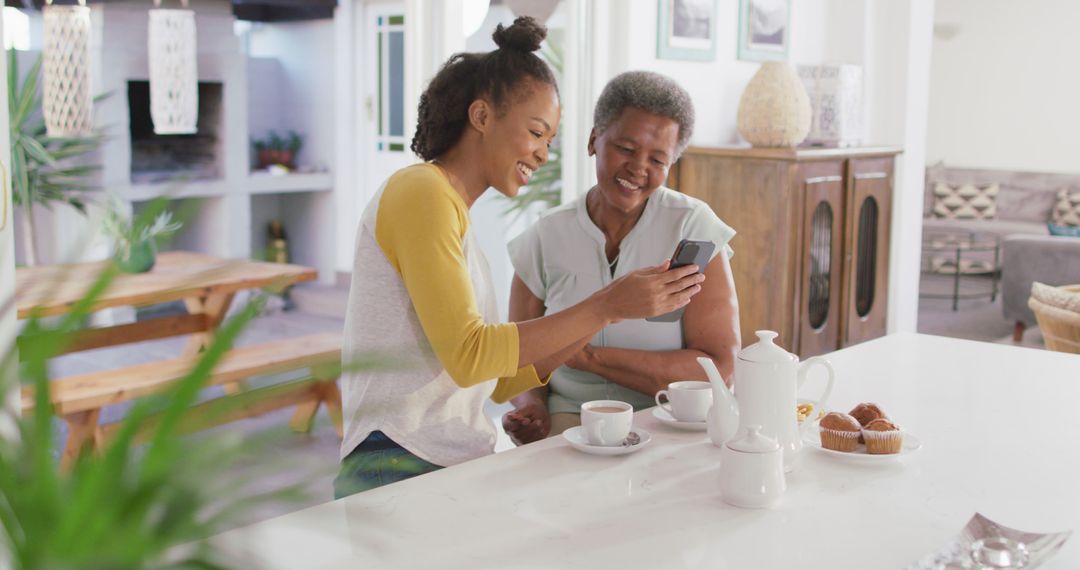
{"x":420,"y":227}
{"x":510,"y":386}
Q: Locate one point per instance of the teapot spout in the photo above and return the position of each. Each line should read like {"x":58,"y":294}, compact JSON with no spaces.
{"x":723,"y":418}
{"x":713,"y":373}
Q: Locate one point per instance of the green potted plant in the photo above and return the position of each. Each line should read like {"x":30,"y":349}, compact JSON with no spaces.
{"x":136,"y":243}
{"x":129,"y":507}
{"x":132,"y":506}
{"x":42,"y":171}
{"x":275,"y":149}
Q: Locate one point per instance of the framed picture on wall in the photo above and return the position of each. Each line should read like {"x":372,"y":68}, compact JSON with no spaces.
{"x":764,"y":30}
{"x":686,"y":29}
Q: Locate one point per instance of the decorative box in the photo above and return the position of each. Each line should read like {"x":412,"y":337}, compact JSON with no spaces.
{"x":835,"y":92}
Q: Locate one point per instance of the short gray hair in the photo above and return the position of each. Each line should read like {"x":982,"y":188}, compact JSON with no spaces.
{"x":651,"y":92}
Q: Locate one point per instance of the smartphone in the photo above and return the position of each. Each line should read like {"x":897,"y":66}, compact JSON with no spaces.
{"x":688,"y":252}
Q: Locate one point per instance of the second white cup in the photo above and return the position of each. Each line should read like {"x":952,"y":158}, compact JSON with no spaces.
{"x":688,"y":400}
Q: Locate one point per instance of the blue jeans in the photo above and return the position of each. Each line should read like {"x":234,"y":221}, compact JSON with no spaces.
{"x":377,"y":461}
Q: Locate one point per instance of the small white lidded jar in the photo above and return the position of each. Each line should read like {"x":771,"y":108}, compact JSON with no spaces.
{"x":752,"y":470}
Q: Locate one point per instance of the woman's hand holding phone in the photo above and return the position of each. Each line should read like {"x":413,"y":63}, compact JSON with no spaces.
{"x":650,"y":291}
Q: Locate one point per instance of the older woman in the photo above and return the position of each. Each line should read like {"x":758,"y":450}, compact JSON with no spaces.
{"x":642,"y":123}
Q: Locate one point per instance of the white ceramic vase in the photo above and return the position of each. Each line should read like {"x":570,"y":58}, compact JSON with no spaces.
{"x":774,"y":110}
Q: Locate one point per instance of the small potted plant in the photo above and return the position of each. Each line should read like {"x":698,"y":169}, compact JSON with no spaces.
{"x":275,"y":149}
{"x":136,"y":244}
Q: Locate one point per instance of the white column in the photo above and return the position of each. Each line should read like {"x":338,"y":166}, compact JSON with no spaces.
{"x":348,"y":37}
{"x":432,"y":34}
{"x":898,"y":45}
{"x":10,"y":400}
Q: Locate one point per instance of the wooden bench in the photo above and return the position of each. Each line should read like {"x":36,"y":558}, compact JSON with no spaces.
{"x":78,"y":399}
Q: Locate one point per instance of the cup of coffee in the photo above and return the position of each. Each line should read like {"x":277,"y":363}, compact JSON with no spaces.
{"x":688,"y":401}
{"x":606,"y":422}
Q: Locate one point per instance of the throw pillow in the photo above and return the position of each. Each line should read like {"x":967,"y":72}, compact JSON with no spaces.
{"x":1067,"y":210}
{"x":965,"y":202}
{"x":1056,"y":296}
{"x":1066,"y":231}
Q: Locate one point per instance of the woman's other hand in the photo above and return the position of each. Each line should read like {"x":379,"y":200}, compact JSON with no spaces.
{"x":650,"y":291}
{"x":580,"y":359}
{"x":528,"y":423}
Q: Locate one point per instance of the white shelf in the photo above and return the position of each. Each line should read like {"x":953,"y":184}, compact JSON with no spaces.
{"x":174,"y":190}
{"x":264,"y":183}
{"x":255,"y":183}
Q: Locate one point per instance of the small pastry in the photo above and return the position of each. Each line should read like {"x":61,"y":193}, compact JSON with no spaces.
{"x":865,"y":413}
{"x":882,"y":437}
{"x":839,"y":432}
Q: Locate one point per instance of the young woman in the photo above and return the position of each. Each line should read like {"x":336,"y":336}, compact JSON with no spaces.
{"x":421,"y":288}
{"x":641,"y":125}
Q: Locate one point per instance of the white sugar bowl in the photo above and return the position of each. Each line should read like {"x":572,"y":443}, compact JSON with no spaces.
{"x":752,"y":470}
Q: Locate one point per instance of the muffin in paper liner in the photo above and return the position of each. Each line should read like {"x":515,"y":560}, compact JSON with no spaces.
{"x":839,"y":432}
{"x":882,"y":437}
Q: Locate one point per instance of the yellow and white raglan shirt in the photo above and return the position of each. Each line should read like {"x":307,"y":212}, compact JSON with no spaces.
{"x":422,"y":299}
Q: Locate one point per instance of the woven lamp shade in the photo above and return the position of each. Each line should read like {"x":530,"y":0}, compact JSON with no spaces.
{"x":65,"y":69}
{"x":174,"y":71}
{"x":774,"y":110}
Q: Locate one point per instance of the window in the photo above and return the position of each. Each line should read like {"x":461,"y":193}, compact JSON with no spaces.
{"x":390,"y":92}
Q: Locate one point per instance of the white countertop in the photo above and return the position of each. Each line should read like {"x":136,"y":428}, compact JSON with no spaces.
{"x":1000,"y":428}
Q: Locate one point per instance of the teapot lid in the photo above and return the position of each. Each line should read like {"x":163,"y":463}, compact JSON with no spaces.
{"x":754,"y":442}
{"x":765,"y":350}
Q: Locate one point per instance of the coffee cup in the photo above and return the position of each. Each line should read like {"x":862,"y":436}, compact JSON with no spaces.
{"x":688,"y":400}
{"x":606,"y":422}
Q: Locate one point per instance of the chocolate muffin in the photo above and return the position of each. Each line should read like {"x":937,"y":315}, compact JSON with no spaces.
{"x":865,"y":413}
{"x":883,"y":437}
{"x":839,"y":432}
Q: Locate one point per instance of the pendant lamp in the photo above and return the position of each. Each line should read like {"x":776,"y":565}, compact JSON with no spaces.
{"x":66,"y":102}
{"x":174,"y":72}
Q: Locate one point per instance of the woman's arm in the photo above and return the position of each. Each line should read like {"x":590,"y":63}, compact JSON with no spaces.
{"x":710,"y":328}
{"x":525,"y":306}
{"x":643,"y":293}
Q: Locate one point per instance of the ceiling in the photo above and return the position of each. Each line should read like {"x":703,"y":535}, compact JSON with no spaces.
{"x":251,"y":10}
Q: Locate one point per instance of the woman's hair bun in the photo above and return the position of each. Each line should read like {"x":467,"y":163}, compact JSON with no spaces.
{"x":525,"y":35}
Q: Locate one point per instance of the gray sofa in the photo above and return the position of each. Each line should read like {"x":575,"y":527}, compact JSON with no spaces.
{"x":1028,"y":252}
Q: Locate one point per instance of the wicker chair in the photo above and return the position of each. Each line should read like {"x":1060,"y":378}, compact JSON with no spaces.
{"x":1060,"y":327}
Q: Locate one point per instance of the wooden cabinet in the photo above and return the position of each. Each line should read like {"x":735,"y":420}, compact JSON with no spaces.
{"x":812,"y":249}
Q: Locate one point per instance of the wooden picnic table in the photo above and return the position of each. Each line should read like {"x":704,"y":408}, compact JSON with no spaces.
{"x":206,"y":284}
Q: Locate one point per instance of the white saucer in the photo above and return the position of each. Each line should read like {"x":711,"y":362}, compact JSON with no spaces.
{"x":665,"y":418}
{"x":577,"y":441}
{"x":911,"y":445}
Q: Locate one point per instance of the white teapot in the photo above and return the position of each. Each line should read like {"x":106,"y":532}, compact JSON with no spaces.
{"x":766,"y":381}
{"x":752,"y":470}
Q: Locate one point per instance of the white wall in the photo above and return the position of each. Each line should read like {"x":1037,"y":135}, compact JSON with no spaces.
{"x":821,"y":31}
{"x":1004,"y":85}
{"x":305,"y":53}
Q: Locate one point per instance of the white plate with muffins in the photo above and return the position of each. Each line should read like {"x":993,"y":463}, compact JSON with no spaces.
{"x":866,"y":434}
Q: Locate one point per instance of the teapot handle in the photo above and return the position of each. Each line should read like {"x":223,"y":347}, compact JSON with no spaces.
{"x":805,"y":366}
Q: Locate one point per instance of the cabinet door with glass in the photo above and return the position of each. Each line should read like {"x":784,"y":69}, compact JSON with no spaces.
{"x":869,"y":209}
{"x":819,"y":300}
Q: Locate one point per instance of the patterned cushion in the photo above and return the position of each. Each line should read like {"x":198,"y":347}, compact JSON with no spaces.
{"x":1056,"y":297}
{"x":965,"y":202}
{"x":1067,"y":210}
{"x":1063,"y":231}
